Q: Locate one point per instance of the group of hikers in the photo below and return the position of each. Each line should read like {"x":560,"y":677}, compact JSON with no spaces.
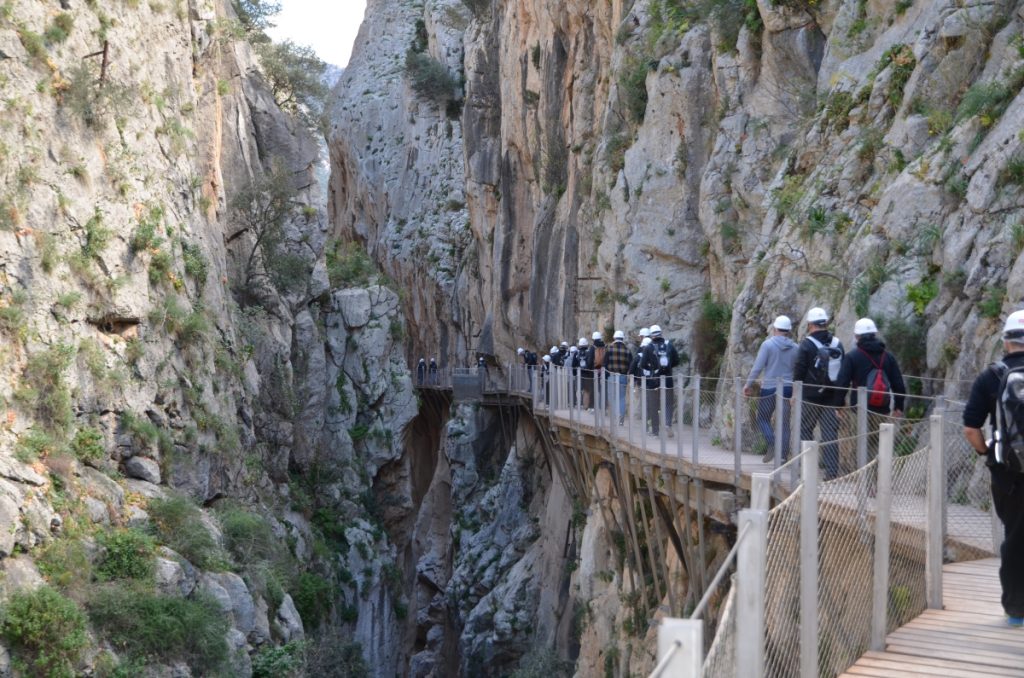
{"x":829,"y":374}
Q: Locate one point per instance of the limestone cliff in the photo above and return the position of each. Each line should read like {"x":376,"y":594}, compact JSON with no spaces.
{"x":206,"y":399}
{"x":533,"y":171}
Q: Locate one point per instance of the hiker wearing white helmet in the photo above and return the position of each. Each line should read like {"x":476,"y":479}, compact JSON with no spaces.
{"x":595,"y":367}
{"x":997,"y":396}
{"x":659,"y":357}
{"x":616,"y":362}
{"x":819,"y":358}
{"x":871,"y":366}
{"x":775,"y":358}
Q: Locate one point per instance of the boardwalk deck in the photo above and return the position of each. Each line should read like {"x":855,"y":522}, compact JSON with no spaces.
{"x":967,"y":639}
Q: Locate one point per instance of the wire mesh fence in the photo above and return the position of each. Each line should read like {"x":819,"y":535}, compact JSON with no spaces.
{"x":782,"y":584}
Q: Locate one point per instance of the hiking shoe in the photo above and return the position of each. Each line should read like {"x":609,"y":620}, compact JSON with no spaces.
{"x":1015,"y":622}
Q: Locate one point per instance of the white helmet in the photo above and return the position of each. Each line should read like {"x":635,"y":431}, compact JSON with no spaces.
{"x":520,"y":351}
{"x":1014,"y":327}
{"x":573,"y":349}
{"x":817,"y":316}
{"x":565,"y":344}
{"x":547,"y":358}
{"x":554,"y":350}
{"x":655,"y":330}
{"x":595,"y":336}
{"x":864,"y":326}
{"x":619,"y":334}
{"x":645,"y":331}
{"x":583,"y":342}
{"x":645,"y":342}
{"x":783,"y":323}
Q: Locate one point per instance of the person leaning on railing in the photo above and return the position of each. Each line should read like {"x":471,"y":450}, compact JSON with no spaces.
{"x":1003,"y":459}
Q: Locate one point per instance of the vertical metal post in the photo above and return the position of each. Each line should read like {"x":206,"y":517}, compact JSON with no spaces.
{"x":883,"y":507}
{"x":579,"y":397}
{"x":809,"y":563}
{"x":796,"y":413}
{"x":761,"y":491}
{"x":780,"y":421}
{"x":598,"y":393}
{"x":737,"y":430}
{"x":862,"y":427}
{"x":750,"y":587}
{"x":535,"y":389}
{"x":695,"y":424}
{"x":680,"y":392}
{"x":643,"y":412}
{"x":662,"y":418}
{"x":681,"y":647}
{"x":935,"y":528}
{"x":630,"y":407}
{"x":613,"y":423}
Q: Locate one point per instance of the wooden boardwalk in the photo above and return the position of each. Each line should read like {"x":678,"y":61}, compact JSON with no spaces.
{"x":969,"y":638}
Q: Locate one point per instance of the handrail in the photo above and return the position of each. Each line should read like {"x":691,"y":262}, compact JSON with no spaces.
{"x":699,"y":610}
{"x":673,"y":648}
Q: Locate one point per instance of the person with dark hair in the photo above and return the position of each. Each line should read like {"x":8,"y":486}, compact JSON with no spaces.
{"x":421,"y":372}
{"x":432,"y":373}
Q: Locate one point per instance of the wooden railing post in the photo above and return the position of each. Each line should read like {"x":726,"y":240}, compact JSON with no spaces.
{"x":935,"y":528}
{"x":750,"y":587}
{"x":809,"y":563}
{"x":883,"y":514}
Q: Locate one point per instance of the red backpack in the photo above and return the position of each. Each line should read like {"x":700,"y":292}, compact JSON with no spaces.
{"x":877,"y":383}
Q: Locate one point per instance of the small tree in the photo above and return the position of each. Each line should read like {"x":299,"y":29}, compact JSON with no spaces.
{"x":263,"y":209}
{"x":254,"y":15}
{"x":296,"y":77}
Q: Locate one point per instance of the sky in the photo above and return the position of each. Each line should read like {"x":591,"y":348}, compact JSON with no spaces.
{"x":328,"y":26}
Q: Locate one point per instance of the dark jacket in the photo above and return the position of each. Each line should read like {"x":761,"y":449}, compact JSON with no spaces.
{"x":981,"y":404}
{"x":634,"y":364}
{"x":650,"y":364}
{"x":857,"y":365}
{"x":804,"y":359}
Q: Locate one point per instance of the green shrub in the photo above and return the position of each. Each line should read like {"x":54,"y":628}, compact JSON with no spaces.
{"x":837,"y":109}
{"x":348,"y":265}
{"x":146,"y":235}
{"x":87,"y":445}
{"x":34,"y":444}
{"x":160,"y":265}
{"x":615,"y":152}
{"x":907,"y":338}
{"x":248,"y":536}
{"x":196,"y":266}
{"x":633,"y":87}
{"x":711,"y":334}
{"x":921,"y":294}
{"x":46,"y":631}
{"x":992,"y":305}
{"x":178,"y":525}
{"x":903,"y":62}
{"x":33,"y":43}
{"x":278,"y":662}
{"x":989,"y":100}
{"x":145,"y":625}
{"x":312,"y":595}
{"x":1013,"y":173}
{"x":429,"y":77}
{"x":146,"y":432}
{"x":65,"y":563}
{"x":127,"y":554}
{"x":296,"y":77}
{"x":97,"y":236}
{"x":44,"y":393}
{"x":14,"y":316}
{"x":60,"y":29}
{"x":187,"y":326}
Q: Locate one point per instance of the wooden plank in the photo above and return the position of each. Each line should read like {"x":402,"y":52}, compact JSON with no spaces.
{"x":1005,"y":634}
{"x":957,"y":653}
{"x":948,"y":637}
{"x":933,"y":661}
{"x":895,"y":668}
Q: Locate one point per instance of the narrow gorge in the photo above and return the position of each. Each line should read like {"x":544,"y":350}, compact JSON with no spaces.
{"x":215,"y":276}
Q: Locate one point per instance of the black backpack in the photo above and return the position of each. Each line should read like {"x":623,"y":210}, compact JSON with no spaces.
{"x":1009,"y":436}
{"x":531,"y":358}
{"x":824,"y":368}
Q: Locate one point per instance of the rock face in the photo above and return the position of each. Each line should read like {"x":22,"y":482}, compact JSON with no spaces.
{"x":616,"y":164}
{"x":165,"y":338}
